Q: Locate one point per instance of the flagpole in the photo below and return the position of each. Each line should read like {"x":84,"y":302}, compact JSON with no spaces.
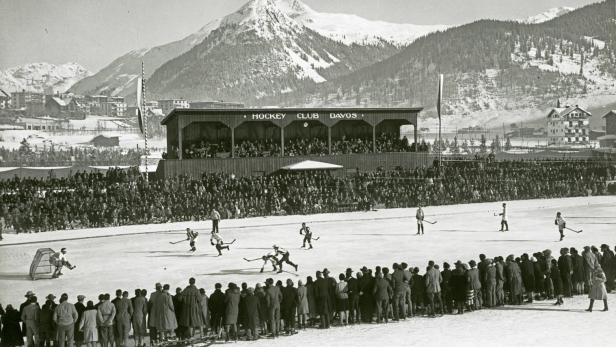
{"x":145,"y":120}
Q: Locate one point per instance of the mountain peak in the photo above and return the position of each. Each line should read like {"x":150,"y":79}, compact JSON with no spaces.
{"x":548,"y":15}
{"x":39,"y":77}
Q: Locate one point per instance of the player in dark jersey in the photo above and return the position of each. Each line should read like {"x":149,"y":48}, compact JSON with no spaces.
{"x":307,"y":235}
{"x":284,"y":257}
{"x":191,"y":236}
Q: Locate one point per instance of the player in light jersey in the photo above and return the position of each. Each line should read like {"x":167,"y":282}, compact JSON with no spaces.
{"x":504,"y":224}
{"x":562,"y":224}
{"x":59,"y":260}
{"x":271,"y":258}
{"x":419,"y":216}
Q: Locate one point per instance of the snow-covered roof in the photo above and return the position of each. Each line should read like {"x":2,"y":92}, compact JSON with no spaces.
{"x":606,"y":137}
{"x":565,"y":111}
{"x":311,"y":165}
{"x":59,"y":101}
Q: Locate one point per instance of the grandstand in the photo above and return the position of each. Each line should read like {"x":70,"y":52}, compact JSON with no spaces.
{"x":260,"y":141}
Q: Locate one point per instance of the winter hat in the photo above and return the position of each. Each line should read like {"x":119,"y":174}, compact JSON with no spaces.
{"x":29,"y":293}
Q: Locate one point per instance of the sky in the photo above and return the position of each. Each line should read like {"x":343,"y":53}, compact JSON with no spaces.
{"x":95,"y":32}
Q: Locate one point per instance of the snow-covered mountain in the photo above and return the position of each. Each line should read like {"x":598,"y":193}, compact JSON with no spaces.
{"x":547,"y":15}
{"x":41,"y":77}
{"x":288,"y":23}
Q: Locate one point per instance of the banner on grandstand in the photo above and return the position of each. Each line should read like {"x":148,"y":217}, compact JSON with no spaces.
{"x":140,"y":103}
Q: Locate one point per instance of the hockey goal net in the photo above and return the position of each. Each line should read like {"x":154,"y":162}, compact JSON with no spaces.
{"x":41,"y":264}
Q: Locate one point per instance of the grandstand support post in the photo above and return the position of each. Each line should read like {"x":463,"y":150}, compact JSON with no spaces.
{"x":232,"y":142}
{"x":374,"y":139}
{"x":415,"y":137}
{"x":329,"y":140}
{"x":282,"y":140}
{"x":145,"y":122}
{"x":180,"y":149}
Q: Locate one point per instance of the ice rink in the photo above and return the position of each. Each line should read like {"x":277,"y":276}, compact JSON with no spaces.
{"x":138,"y":256}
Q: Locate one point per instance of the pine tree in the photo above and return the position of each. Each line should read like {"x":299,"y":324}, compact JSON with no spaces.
{"x":508,"y":144}
{"x":482,"y":147}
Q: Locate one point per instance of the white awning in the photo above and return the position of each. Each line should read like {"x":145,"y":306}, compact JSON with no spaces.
{"x":311,"y":165}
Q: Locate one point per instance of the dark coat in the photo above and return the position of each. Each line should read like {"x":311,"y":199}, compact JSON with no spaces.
{"x":191,"y":313}
{"x":216,"y":304}
{"x":446,"y":285}
{"x":81,"y":308}
{"x":290,"y":300}
{"x":232,"y":303}
{"x":514,"y":277}
{"x":252,"y":306}
{"x":321,"y":291}
{"x":577,"y":262}
{"x":556,"y":280}
{"x":539,"y":276}
{"x":263,"y":311}
{"x":11,"y":334}
{"x":458,"y":285}
{"x":273,"y":296}
{"x":382,"y":290}
{"x":528,"y":275}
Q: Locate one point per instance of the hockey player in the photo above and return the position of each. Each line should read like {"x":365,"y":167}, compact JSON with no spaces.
{"x":59,"y":260}
{"x":562,"y":224}
{"x":191,"y":236}
{"x":284,"y":254}
{"x":219,"y":244}
{"x":307,"y":235}
{"x":271,"y":258}
{"x":420,"y":218}
{"x":504,"y":225}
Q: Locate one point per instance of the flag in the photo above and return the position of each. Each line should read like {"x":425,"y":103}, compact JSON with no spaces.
{"x":139,"y":103}
{"x":440,"y":95}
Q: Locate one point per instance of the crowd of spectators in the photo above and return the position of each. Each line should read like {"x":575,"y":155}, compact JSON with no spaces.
{"x":299,"y":146}
{"x":273,"y":309}
{"x":48,"y":156}
{"x":123,"y":197}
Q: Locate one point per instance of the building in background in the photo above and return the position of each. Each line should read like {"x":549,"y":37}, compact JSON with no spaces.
{"x":568,"y":126}
{"x":216,"y":104}
{"x":42,"y":123}
{"x":169,"y":105}
{"x":32,"y":102}
{"x":103,"y":105}
{"x":609,"y":139}
{"x":5,"y":99}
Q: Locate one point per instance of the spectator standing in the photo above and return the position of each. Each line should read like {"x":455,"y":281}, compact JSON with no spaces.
{"x":598,"y":290}
{"x":273,"y":297}
{"x":232,"y":302}
{"x":288,"y":306}
{"x":80,"y":307}
{"x":154,"y":313}
{"x":217,"y":308}
{"x":205,"y":313}
{"x":47,"y":327}
{"x":528,"y":276}
{"x":446,"y":288}
{"x":458,"y":286}
{"x":342,"y":300}
{"x":191,"y":313}
{"x":590,"y":263}
{"x":514,"y":280}
{"x":382,"y":294}
{"x":87,"y":325}
{"x":30,"y":316}
{"x":566,"y":270}
{"x":165,"y":320}
{"x":433,"y":288}
{"x":140,"y":311}
{"x":302,"y":306}
{"x":577,"y":261}
{"x":322,"y":300}
{"x":557,"y":282}
{"x":11,"y":331}
{"x":124,"y":314}
{"x":475,"y":283}
{"x":65,"y":316}
{"x":105,"y":316}
{"x":251,"y":307}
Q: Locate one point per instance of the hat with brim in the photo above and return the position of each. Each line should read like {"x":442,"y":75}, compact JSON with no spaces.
{"x":29,"y":293}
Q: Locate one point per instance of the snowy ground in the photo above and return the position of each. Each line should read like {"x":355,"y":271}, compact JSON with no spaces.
{"x":137,"y":256}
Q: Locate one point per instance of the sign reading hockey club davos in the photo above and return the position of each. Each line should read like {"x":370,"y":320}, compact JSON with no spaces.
{"x":305,"y":115}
